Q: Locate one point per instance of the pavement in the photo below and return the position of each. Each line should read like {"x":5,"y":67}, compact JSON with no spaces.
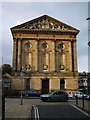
{"x":79,"y":104}
{"x":16,"y":110}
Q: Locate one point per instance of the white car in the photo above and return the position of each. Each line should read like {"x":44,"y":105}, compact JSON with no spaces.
{"x":72,"y":94}
{"x":79,"y":94}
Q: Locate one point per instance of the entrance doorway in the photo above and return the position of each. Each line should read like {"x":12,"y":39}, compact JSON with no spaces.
{"x":62,"y":84}
{"x":45,"y":85}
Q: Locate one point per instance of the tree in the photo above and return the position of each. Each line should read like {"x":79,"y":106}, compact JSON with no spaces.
{"x":6,"y":68}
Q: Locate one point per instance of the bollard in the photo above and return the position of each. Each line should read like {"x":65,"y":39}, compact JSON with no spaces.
{"x":83,"y":101}
{"x":76,"y":100}
{"x":21,"y":100}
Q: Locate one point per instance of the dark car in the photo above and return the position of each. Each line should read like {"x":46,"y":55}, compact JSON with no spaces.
{"x":31,"y":93}
{"x":55,"y":96}
{"x":87,"y":97}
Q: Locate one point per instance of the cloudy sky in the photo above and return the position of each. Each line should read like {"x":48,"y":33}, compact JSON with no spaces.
{"x":71,"y":13}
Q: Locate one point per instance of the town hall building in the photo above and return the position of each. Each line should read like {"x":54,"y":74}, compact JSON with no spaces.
{"x":44,"y":56}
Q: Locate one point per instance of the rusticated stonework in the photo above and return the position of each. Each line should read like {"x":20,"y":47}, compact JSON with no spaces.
{"x":44,"y":49}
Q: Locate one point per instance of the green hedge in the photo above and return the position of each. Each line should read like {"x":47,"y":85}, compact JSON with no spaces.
{"x":11,"y":93}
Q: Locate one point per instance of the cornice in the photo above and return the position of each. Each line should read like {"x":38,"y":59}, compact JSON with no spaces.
{"x":25,"y":31}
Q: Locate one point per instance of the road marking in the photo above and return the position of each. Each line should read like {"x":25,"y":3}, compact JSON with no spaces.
{"x":80,"y":110}
{"x":36,"y":112}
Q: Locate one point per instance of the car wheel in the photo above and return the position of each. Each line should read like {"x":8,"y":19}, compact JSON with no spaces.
{"x":48,"y":99}
{"x":66,"y":100}
{"x":44,"y":100}
{"x":26,"y":95}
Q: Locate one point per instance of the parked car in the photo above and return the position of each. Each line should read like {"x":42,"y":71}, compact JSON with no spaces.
{"x":31,"y":93}
{"x":87,"y":97}
{"x":55,"y":96}
{"x":79,"y":94}
{"x":72,"y":94}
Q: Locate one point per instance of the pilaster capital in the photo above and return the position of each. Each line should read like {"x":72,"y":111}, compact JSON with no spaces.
{"x":15,"y":39}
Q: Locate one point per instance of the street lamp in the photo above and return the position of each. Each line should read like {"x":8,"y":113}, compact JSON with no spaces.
{"x":89,"y":30}
{"x":21,"y":74}
{"x":89,"y":43}
{"x":88,"y":63}
{"x":88,"y":18}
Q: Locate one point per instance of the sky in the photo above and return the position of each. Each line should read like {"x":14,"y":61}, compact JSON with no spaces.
{"x":71,"y":13}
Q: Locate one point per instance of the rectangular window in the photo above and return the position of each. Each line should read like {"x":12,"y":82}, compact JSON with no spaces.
{"x":27,"y":84}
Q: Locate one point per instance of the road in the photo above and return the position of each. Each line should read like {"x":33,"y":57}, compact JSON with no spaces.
{"x":43,"y":110}
{"x":57,"y":110}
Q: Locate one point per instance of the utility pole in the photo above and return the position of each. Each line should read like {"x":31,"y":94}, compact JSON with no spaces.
{"x":89,"y":30}
{"x":88,"y":60}
{"x":3,"y":99}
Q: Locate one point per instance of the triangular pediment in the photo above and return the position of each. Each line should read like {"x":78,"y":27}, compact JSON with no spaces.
{"x":45,"y":23}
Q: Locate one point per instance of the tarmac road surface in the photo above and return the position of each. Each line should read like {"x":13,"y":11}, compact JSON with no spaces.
{"x":60,"y":112}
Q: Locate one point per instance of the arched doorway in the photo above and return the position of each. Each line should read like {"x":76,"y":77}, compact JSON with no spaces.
{"x":62,"y":84}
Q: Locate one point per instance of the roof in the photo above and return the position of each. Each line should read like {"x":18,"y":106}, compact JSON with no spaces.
{"x":44,"y":23}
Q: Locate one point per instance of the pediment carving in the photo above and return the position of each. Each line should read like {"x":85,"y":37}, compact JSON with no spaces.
{"x":45,"y":24}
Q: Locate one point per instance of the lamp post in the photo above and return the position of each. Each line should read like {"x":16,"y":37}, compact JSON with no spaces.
{"x":21,"y":74}
{"x":89,"y":30}
{"x":88,"y":63}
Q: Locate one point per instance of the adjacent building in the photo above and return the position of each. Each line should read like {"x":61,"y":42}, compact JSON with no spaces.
{"x":45,"y":56}
{"x":83,"y":82}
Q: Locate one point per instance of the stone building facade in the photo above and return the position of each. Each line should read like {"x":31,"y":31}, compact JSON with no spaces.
{"x":44,"y":55}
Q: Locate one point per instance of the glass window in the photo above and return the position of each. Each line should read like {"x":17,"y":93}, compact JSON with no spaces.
{"x":44,"y":46}
{"x":60,"y":93}
{"x":61,"y":46}
{"x":27,"y":84}
{"x":27,"y":45}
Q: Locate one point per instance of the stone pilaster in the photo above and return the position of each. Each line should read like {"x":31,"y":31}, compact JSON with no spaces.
{"x":55,"y":54}
{"x":70,"y":57}
{"x":47,"y":59}
{"x":19,"y":55}
{"x":75,"y":56}
{"x":64,"y":59}
{"x":36,"y":56}
{"x":30,"y":58}
{"x":14,"y":54}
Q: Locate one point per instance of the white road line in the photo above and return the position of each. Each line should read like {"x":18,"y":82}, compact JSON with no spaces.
{"x":80,"y":110}
{"x":36,"y":112}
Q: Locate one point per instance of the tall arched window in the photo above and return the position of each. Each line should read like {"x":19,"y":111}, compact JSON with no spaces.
{"x":62,"y":84}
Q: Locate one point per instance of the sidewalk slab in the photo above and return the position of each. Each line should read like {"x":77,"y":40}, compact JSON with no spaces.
{"x":16,"y":110}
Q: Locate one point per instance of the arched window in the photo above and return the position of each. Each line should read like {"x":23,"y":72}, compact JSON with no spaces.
{"x":62,"y":84}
